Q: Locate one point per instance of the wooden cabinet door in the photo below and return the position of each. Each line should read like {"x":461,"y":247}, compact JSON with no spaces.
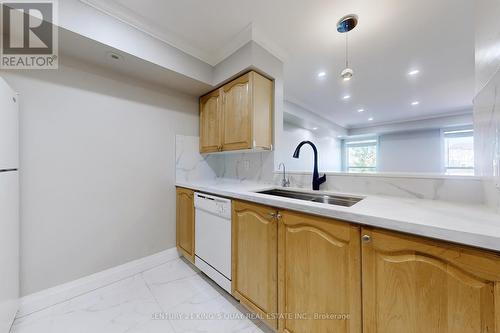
{"x":254,"y":256}
{"x":416,"y":285}
{"x":185,"y":223}
{"x":237,"y":114}
{"x":210,"y":122}
{"x":319,"y":275}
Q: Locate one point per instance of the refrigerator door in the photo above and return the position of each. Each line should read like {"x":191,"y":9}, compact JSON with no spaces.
{"x":9,"y":248}
{"x":9,"y":127}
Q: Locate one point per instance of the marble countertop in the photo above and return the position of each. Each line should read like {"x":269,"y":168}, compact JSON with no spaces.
{"x":474,"y":225}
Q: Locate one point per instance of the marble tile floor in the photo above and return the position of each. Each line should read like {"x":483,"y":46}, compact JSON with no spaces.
{"x":172,"y":298}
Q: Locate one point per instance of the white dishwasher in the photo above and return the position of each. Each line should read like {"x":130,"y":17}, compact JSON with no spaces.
{"x":213,"y":238}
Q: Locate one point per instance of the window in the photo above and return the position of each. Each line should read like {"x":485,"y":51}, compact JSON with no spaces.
{"x":361,"y":156}
{"x":459,"y":152}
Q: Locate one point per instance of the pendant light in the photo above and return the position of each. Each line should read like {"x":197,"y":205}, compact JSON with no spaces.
{"x":344,"y":25}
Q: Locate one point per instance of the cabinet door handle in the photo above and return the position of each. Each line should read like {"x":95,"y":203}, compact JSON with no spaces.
{"x":366,"y":239}
{"x":275,"y":215}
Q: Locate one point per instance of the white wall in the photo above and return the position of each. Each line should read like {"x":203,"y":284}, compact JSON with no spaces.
{"x":418,"y":151}
{"x":487,"y":37}
{"x":487,"y":99}
{"x":97,"y":170}
{"x":487,"y":139}
{"x":329,"y":150}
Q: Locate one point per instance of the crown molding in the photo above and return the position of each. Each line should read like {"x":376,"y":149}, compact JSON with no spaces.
{"x":137,"y":21}
{"x":118,"y":12}
{"x":458,"y":113}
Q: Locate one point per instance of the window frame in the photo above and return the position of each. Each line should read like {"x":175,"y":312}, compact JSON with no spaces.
{"x":460,"y":132}
{"x":360,"y":142}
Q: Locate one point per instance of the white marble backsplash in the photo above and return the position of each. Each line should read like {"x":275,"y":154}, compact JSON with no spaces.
{"x":492,"y":193}
{"x":258,"y":167}
{"x":253,"y":167}
{"x":191,"y":166}
{"x":487,"y":129}
{"x":487,"y":139}
{"x":461,"y":189}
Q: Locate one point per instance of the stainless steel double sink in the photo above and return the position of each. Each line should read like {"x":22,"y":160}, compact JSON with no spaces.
{"x":330,"y":199}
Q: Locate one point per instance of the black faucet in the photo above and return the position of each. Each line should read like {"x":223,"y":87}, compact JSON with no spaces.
{"x":317,"y":181}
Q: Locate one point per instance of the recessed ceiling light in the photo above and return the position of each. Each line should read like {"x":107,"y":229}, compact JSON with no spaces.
{"x":321,"y":74}
{"x":361,"y":110}
{"x":415,"y":103}
{"x":314,"y":128}
{"x":413,"y":72}
{"x":346,"y":97}
{"x":370,"y":119}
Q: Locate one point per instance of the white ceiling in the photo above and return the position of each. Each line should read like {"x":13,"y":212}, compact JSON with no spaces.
{"x":393,"y":36}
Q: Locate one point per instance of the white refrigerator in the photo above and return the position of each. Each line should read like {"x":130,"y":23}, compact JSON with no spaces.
{"x":9,"y":206}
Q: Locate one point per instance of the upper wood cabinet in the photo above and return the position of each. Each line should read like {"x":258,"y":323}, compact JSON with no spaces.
{"x":185,"y":223}
{"x":412,"y":284}
{"x":210,"y":124}
{"x":254,"y":252}
{"x":238,"y":115}
{"x":319,"y":275}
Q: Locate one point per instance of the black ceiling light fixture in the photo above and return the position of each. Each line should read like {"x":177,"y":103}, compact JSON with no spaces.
{"x":344,"y":25}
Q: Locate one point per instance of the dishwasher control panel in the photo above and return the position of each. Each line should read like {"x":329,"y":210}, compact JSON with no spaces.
{"x":213,"y":205}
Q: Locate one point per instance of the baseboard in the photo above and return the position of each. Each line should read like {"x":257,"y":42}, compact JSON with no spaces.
{"x":49,"y":297}
{"x":8,"y":310}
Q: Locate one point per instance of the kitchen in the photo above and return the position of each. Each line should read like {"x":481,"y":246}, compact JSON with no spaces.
{"x":252,"y":167}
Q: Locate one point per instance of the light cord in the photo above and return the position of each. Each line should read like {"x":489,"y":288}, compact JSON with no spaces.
{"x":346,"y":51}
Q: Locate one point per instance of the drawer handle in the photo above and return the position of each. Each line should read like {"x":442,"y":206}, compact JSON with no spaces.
{"x":366,"y":239}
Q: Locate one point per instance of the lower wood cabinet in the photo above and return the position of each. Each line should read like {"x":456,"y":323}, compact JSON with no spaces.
{"x":306,"y":274}
{"x":254,"y":253}
{"x":185,"y":223}
{"x":319,"y":275}
{"x":411,"y":284}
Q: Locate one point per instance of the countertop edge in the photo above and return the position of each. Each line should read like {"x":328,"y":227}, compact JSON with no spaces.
{"x":482,"y":241}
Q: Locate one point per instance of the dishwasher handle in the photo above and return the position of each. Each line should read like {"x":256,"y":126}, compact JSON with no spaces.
{"x":204,"y":197}
{"x":213,"y":205}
